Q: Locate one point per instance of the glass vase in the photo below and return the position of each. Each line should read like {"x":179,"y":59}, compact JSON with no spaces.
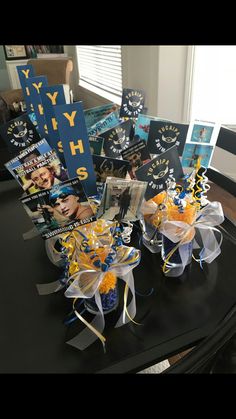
{"x":174,"y":266}
{"x":151,"y":237}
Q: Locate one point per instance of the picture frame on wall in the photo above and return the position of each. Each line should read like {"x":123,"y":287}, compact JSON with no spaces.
{"x":15,"y":52}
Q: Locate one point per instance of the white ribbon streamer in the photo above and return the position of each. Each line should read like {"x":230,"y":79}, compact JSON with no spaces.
{"x":207,"y":218}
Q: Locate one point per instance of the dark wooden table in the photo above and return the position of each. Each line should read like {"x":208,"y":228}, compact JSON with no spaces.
{"x":178,"y":314}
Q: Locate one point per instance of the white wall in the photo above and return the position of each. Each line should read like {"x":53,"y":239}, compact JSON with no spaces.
{"x":171,"y":82}
{"x":159,"y":70}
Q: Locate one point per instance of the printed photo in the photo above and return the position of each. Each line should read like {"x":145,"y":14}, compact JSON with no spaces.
{"x":29,"y":153}
{"x":192,"y":152}
{"x":142,"y":125}
{"x":42,"y":172}
{"x":122,"y":199}
{"x":96,"y":144}
{"x":201,"y":134}
{"x":137,"y":154}
{"x":59,"y":209}
{"x":107,"y":167}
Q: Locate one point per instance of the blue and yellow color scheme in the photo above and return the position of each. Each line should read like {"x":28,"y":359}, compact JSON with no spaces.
{"x":74,"y":137}
{"x":24,"y":73}
{"x":33,"y":89}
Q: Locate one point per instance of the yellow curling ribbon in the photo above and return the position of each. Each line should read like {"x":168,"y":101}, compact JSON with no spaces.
{"x":126,"y":292}
{"x":95,"y":331}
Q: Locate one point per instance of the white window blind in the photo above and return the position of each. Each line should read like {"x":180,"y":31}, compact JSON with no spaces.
{"x":100,"y":70}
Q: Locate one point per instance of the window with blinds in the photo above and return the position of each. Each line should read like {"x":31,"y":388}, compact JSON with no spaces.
{"x":100,"y":70}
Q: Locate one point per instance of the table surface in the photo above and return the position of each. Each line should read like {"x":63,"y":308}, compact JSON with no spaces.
{"x":179,"y":313}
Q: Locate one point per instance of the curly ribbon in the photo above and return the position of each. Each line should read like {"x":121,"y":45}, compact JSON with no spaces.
{"x":180,"y":233}
{"x":86,"y":285}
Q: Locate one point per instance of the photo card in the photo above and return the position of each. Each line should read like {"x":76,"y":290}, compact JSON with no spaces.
{"x":59,"y":209}
{"x":122,"y":199}
{"x":42,"y":172}
{"x":137,"y":154}
{"x":108,"y":167}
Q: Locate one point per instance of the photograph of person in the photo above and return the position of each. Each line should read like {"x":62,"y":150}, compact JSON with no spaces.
{"x":122,"y":199}
{"x":55,"y":209}
{"x":38,"y":173}
{"x":192,"y":152}
{"x":201,"y":134}
{"x":107,"y":166}
{"x":66,"y":201}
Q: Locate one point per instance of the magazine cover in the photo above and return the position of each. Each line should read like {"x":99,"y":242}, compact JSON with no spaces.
{"x":132,"y":103}
{"x":19,"y":133}
{"x":122,"y":199}
{"x":142,"y":125}
{"x":117,"y":139}
{"x":59,"y":209}
{"x":29,"y":153}
{"x":192,"y":152}
{"x":96,"y":144}
{"x":107,"y":167}
{"x":93,"y":115}
{"x":42,"y":172}
{"x":158,"y":170}
{"x":137,"y":154}
{"x":163,"y":136}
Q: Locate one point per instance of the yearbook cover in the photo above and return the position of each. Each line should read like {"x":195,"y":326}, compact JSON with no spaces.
{"x":59,"y":209}
{"x":163,"y":135}
{"x":19,"y":133}
{"x":122,"y":199}
{"x":132,"y":103}
{"x":107,"y":167}
{"x":158,"y":171}
{"x":117,"y":139}
{"x":137,"y":154}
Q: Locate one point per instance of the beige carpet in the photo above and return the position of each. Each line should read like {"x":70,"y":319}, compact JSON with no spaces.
{"x":156,"y":369}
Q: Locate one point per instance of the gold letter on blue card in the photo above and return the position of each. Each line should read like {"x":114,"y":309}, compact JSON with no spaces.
{"x":33,"y":88}
{"x":24,"y":73}
{"x":53,"y":96}
{"x":74,"y":137}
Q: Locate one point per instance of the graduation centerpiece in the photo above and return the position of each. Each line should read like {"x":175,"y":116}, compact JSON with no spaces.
{"x":89,"y":180}
{"x":182,"y":220}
